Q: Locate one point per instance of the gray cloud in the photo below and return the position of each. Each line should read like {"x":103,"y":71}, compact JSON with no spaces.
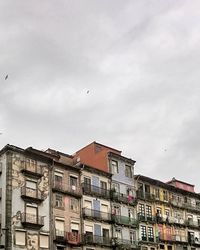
{"x":139,"y":59}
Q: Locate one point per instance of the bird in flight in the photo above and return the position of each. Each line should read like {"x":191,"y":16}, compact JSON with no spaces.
{"x":6,"y":77}
{"x":88,"y":92}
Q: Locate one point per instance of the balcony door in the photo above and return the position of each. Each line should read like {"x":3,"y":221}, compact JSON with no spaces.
{"x":96,"y":206}
{"x":97,"y":233}
{"x":31,"y":214}
{"x":95,"y":184}
{"x":60,"y":228}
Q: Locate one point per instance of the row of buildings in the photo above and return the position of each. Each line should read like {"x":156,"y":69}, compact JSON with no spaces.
{"x":91,"y":200}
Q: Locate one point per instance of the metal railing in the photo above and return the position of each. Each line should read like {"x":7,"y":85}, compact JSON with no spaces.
{"x":73,"y":238}
{"x":149,"y":218}
{"x":125,"y":243}
{"x":32,"y":219}
{"x":96,"y":214}
{"x":124,"y":198}
{"x":61,"y":186}
{"x":95,"y":190}
{"x":31,"y":193}
{"x":124,"y":220}
{"x":172,"y":237}
{"x":97,"y":240}
{"x":145,"y":195}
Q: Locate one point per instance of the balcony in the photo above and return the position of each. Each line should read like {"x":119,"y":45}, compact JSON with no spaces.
{"x":185,"y":205}
{"x":73,"y":238}
{"x":170,"y":220}
{"x":96,"y":215}
{"x":96,"y":191}
{"x":145,"y":196}
{"x":125,"y":244}
{"x":32,"y":169}
{"x":145,"y":218}
{"x":124,"y":198}
{"x":124,"y":220}
{"x":179,"y":239}
{"x":32,"y":221}
{"x":30,"y":194}
{"x":67,"y":189}
{"x":194,"y":241}
{"x":146,"y":239}
{"x":192,"y":224}
{"x":90,"y":239}
{"x":60,"y":236}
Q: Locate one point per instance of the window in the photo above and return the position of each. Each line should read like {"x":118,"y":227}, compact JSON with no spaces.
{"x":128,"y":171}
{"x":115,"y":186}
{"x":167,"y":213}
{"x":150,"y":234}
{"x":58,"y":179}
{"x":141,"y":210}
{"x":157,"y":193}
{"x":114,"y":165}
{"x":59,"y":200}
{"x":116,"y":210}
{"x":103,"y":185}
{"x":20,"y":238}
{"x":73,"y":181}
{"x":87,"y":181}
{"x":130,"y":213}
{"x":165,"y":195}
{"x":87,"y":204}
{"x":60,"y":227}
{"x":105,"y":233}
{"x":31,"y":188}
{"x":74,"y":227}
{"x":132,"y":236}
{"x":31,"y":214}
{"x":74,"y":204}
{"x":148,"y":211}
{"x":118,"y":233}
{"x":44,"y":241}
{"x":143,"y":233}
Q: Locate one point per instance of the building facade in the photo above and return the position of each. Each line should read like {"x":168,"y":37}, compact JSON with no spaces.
{"x":169,"y":214}
{"x":91,"y":200}
{"x":25,"y":199}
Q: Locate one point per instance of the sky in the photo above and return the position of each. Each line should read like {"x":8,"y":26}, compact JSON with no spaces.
{"x":124,"y":73}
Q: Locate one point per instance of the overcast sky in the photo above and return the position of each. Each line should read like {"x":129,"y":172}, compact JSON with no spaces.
{"x":119,"y":72}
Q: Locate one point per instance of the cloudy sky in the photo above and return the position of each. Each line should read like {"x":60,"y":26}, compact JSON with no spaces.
{"x":124,"y":73}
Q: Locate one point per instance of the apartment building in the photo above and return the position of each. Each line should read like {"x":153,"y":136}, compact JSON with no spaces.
{"x":122,"y":194}
{"x":25,"y":198}
{"x":96,"y":209}
{"x":123,"y":201}
{"x":65,"y":203}
{"x":169,"y":214}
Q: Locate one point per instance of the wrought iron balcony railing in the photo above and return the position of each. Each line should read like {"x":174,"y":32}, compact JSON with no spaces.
{"x":95,"y":190}
{"x":64,"y":188}
{"x":172,"y":238}
{"x":96,"y":214}
{"x":73,"y":238}
{"x":32,"y":220}
{"x":60,"y":236}
{"x":125,"y":244}
{"x":124,"y":198}
{"x":97,"y":240}
{"x":185,"y":205}
{"x":31,"y":194}
{"x":149,"y":239}
{"x":147,"y":218}
{"x":124,"y":220}
{"x":145,"y":195}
